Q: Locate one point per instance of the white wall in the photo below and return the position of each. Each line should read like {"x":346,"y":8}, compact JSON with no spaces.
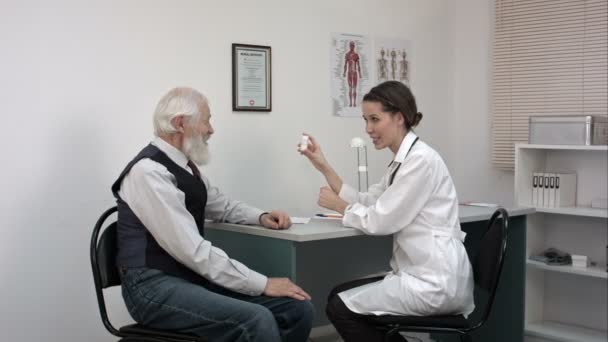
{"x":81,"y":79}
{"x":471,"y":163}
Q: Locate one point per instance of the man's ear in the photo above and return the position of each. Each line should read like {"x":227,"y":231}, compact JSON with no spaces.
{"x":178,"y":123}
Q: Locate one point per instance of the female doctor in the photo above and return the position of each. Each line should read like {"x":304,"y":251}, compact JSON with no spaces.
{"x":415,"y":202}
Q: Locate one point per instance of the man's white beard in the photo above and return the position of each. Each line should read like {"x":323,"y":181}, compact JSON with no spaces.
{"x":197,"y":150}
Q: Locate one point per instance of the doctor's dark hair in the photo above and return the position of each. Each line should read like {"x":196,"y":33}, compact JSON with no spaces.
{"x":396,"y":97}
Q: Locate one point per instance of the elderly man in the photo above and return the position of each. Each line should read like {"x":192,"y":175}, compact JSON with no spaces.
{"x":174,"y":279}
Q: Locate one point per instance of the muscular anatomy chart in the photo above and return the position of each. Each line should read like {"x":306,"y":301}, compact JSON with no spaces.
{"x":350,"y":72}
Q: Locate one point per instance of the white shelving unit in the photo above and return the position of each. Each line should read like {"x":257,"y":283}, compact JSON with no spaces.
{"x":591,"y":271}
{"x":576,"y":211}
{"x":565,"y":332}
{"x":564,"y":303}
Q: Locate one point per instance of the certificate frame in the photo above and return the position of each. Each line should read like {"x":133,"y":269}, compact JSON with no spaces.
{"x":251,"y":78}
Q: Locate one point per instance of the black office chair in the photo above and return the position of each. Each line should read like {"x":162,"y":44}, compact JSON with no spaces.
{"x":105,"y":274}
{"x":487,"y":267}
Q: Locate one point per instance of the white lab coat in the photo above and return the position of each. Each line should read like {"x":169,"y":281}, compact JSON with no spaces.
{"x":431,"y":272}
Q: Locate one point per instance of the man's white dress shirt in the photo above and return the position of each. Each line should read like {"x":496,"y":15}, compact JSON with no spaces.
{"x":151,"y":192}
{"x":431,"y":273}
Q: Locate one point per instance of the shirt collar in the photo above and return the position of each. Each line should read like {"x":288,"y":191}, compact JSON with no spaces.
{"x":177,"y":156}
{"x":406,"y":144}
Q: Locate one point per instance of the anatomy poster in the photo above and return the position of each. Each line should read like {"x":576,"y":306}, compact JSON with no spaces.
{"x":350,"y":60}
{"x":392,"y":60}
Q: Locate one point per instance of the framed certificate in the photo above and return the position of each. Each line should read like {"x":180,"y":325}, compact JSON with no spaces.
{"x":251,"y":83}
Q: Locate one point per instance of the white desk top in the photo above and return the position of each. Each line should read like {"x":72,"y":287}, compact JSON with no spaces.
{"x":321,"y":229}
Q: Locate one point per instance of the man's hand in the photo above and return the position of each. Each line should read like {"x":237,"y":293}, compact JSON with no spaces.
{"x":283,"y":287}
{"x":275,"y":220}
{"x":330,"y":200}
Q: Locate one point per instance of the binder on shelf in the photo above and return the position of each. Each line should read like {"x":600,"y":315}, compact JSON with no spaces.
{"x":546,"y":190}
{"x":535,"y":189}
{"x":551,"y":190}
{"x":541,"y":188}
{"x":565,"y":190}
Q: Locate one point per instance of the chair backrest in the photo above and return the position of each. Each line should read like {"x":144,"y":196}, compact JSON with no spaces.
{"x":490,"y":258}
{"x":103,"y":263}
{"x":105,"y":274}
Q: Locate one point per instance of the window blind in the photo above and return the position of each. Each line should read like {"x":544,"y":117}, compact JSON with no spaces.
{"x":550,"y":58}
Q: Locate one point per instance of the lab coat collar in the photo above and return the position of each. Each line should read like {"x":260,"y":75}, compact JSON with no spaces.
{"x":406,"y":144}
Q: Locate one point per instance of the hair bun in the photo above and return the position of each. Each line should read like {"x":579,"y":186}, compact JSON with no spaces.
{"x":417,"y":118}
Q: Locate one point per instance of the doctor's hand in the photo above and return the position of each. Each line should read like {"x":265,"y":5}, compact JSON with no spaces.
{"x":314,"y":154}
{"x":275,"y":220}
{"x":283,"y":287}
{"x":330,"y":200}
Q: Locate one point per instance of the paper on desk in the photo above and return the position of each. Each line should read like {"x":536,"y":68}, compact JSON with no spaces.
{"x":300,"y":220}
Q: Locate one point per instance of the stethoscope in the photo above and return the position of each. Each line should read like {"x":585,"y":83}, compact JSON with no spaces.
{"x":390,"y":182}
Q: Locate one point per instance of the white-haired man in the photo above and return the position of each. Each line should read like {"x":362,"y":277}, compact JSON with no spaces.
{"x":174,"y":279}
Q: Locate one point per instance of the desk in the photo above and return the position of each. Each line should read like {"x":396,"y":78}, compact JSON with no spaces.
{"x":322,"y":253}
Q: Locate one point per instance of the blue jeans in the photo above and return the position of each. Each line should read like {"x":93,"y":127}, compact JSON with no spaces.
{"x":160,"y":301}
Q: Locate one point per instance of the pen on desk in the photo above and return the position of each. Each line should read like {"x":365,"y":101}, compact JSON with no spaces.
{"x":329,"y":215}
{"x":479,"y":204}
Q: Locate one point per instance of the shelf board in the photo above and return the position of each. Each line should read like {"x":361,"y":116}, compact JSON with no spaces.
{"x":576,"y":211}
{"x":565,"y":332}
{"x":591,"y":271}
{"x":564,"y":147}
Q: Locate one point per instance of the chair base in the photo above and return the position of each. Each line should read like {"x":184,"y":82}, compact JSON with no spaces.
{"x":464,"y":337}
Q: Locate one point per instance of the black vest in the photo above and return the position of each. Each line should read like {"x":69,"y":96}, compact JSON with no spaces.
{"x":136,"y":246}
